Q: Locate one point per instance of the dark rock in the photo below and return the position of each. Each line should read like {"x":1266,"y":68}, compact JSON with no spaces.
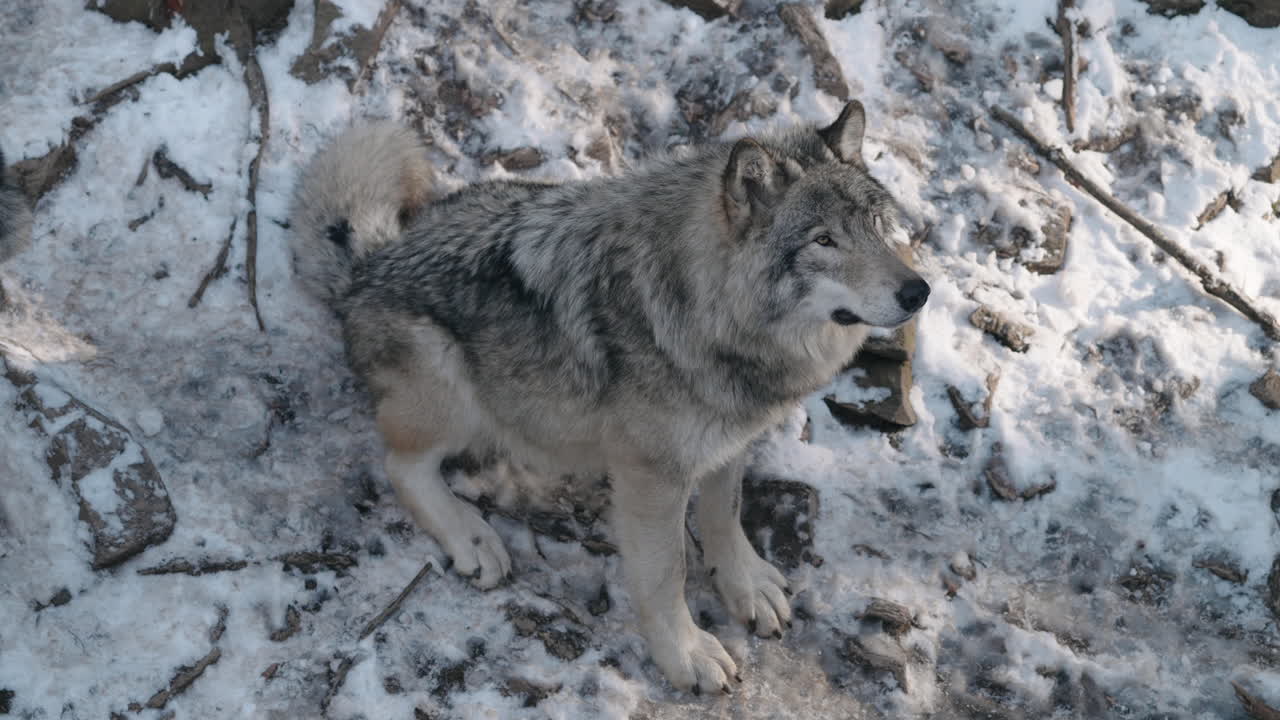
{"x":1258,"y":13}
{"x":827,"y":75}
{"x":6,"y":701}
{"x":1267,"y":389}
{"x":1174,"y":8}
{"x":709,"y":9}
{"x":1012,"y":335}
{"x":778,"y":517}
{"x":121,"y":496}
{"x":888,"y":414}
{"x":837,"y":9}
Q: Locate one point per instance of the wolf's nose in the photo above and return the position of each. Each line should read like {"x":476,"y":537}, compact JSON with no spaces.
{"x":912,"y":295}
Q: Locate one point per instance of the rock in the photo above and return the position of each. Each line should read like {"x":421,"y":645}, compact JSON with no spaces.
{"x":837,"y":9}
{"x":887,"y":414}
{"x":1269,"y":173}
{"x":121,"y":496}
{"x":1012,"y":335}
{"x":900,"y":345}
{"x":1258,"y":13}
{"x":827,"y":75}
{"x":709,"y":9}
{"x":961,"y":564}
{"x":1267,"y":389}
{"x":778,"y":516}
{"x":1173,"y":8}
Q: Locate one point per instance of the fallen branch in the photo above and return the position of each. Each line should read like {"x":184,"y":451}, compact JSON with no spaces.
{"x":182,"y":566}
{"x":390,"y":610}
{"x":379,"y":31}
{"x":111,"y":92}
{"x":257,"y":85}
{"x":1211,"y":283}
{"x":336,"y":679}
{"x":1067,"y":30}
{"x":1254,"y":705}
{"x":183,"y":679}
{"x":219,"y":266}
{"x":167,"y":168}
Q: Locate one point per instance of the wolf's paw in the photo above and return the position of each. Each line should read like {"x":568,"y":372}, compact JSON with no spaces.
{"x":475,"y":550}
{"x":692,"y":659}
{"x":753,"y":591}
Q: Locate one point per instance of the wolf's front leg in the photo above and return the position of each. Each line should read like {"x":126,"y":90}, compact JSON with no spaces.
{"x":649,"y":521}
{"x":753,"y":591}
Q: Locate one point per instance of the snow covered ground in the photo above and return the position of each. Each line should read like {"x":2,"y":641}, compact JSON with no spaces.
{"x":1092,"y":600}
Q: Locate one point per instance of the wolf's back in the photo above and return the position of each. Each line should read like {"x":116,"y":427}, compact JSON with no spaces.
{"x":15,"y":218}
{"x":350,"y":201}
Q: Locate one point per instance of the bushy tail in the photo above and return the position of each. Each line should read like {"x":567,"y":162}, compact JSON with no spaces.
{"x":15,"y":218}
{"x":350,"y":202}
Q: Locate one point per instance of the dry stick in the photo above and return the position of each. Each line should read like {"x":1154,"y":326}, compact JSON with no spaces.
{"x":219,"y":265}
{"x":257,"y":85}
{"x":1212,"y":284}
{"x":1067,"y":29}
{"x":390,"y":610}
{"x":1254,"y":705}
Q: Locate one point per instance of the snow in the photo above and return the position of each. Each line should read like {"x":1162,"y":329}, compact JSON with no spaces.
{"x":1146,"y":475}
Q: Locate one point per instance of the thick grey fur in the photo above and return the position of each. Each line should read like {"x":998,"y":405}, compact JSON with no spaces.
{"x":15,"y":217}
{"x":649,"y":326}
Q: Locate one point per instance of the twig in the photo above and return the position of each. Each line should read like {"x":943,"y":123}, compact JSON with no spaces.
{"x":219,"y":266}
{"x":1254,"y":705}
{"x":168,"y":68}
{"x":167,"y":168}
{"x":336,"y":679}
{"x":1212,"y":284}
{"x":257,"y":85}
{"x":182,"y":566}
{"x":183,"y":679}
{"x":1067,"y":30}
{"x":390,"y":610}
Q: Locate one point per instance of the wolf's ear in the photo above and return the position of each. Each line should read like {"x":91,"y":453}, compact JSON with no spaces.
{"x":844,"y":136}
{"x":749,"y":174}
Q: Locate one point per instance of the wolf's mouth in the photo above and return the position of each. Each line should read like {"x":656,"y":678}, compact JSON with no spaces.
{"x":844,"y":317}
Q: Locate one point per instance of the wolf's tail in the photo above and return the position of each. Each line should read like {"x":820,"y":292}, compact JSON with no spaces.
{"x":15,"y":218}
{"x":351,"y":200}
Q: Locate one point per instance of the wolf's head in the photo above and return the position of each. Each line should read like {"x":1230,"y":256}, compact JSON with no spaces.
{"x":806,"y":200}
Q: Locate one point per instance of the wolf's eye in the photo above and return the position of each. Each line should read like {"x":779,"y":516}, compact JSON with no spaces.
{"x":825,"y":241}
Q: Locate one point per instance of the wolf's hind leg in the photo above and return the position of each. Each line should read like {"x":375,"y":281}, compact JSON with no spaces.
{"x":649,"y":521}
{"x":753,"y":591}
{"x":471,"y":543}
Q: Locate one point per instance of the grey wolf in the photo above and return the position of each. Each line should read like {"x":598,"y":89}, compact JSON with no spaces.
{"x":15,"y":218}
{"x":648,"y":326}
